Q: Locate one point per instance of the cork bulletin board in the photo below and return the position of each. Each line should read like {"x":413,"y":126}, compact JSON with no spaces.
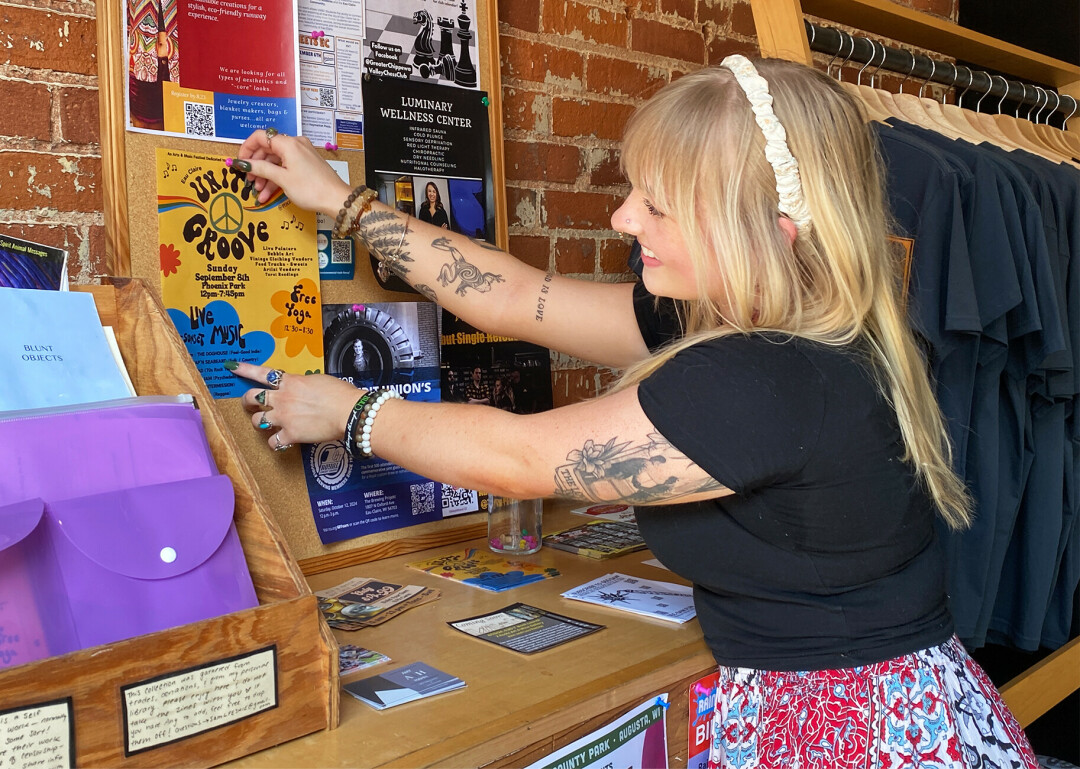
{"x":130,"y":197}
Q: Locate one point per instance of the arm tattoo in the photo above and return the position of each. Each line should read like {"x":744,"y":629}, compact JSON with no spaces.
{"x":654,"y":471}
{"x":458,"y":269}
{"x":427,"y":292}
{"x":541,"y":300}
{"x":484,"y":244}
{"x":384,"y":236}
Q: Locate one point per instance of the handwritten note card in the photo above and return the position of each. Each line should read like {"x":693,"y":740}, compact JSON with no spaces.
{"x":37,"y":736}
{"x":191,"y":702}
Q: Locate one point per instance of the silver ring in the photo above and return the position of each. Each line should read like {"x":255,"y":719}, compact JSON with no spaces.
{"x":279,"y":446}
{"x":260,"y":398}
{"x":264,"y":422}
{"x":273,"y":379}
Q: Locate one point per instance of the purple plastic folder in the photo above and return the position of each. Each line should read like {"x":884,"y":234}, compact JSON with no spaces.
{"x":114,"y":522}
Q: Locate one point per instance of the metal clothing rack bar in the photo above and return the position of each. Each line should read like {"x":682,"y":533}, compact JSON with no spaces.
{"x":923,"y":69}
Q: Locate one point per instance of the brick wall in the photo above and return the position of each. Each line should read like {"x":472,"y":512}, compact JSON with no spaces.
{"x":50,"y":157}
{"x":572,"y":71}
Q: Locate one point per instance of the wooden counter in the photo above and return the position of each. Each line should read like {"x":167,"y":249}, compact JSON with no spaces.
{"x":515,"y":708}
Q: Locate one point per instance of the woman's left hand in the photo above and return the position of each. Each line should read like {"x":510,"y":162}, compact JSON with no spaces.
{"x":300,"y":409}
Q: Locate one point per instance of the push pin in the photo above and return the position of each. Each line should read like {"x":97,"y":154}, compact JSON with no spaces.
{"x":330,"y":146}
{"x":228,"y":162}
{"x":485,"y":101}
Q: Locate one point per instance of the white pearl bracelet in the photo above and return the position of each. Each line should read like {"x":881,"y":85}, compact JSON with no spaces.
{"x":367,"y":419}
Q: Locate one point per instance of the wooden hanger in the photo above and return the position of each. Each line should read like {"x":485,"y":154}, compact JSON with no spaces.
{"x":873,"y":98}
{"x":1021,"y":131}
{"x":1066,"y":144}
{"x":954,"y":114}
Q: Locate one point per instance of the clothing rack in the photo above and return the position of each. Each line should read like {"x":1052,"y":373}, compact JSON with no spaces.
{"x":923,"y":69}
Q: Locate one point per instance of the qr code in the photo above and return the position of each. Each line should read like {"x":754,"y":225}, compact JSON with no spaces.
{"x":326,"y":98}
{"x":454,"y":497}
{"x":341,"y":252}
{"x":423,"y":497}
{"x":198,"y":119}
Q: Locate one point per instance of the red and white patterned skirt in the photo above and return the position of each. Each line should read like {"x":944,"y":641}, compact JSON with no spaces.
{"x":935,"y":708}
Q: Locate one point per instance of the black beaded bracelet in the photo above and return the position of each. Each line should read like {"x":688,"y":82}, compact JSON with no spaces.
{"x":355,"y":416}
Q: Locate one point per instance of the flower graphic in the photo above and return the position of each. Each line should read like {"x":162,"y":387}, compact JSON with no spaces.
{"x":300,"y":321}
{"x":593,"y":459}
{"x":170,"y":259}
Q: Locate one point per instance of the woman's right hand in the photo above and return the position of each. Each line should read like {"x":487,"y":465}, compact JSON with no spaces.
{"x":292,"y":164}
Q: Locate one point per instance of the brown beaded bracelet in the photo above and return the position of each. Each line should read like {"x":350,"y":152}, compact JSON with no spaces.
{"x":347,"y":217}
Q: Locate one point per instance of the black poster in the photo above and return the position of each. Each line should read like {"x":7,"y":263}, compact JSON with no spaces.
{"x":428,"y":153}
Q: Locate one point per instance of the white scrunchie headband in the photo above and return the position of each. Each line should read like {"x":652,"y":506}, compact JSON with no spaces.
{"x":777,"y":152}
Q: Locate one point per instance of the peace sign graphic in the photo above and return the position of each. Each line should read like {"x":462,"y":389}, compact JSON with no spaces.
{"x":226,"y":213}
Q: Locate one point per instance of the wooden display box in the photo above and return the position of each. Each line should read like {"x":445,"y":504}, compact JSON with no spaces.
{"x":282,"y":644}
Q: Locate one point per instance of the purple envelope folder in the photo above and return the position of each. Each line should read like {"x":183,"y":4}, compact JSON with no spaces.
{"x":113,"y":523}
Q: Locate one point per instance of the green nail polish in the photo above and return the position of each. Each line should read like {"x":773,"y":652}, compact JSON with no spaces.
{"x":230,"y":365}
{"x":242,"y":166}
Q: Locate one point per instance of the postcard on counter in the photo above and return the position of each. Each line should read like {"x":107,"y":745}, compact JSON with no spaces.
{"x":353,"y":658}
{"x":364,"y":602}
{"x":663,"y":600}
{"x":608,"y":512}
{"x":401,"y":685}
{"x":485,"y":570}
{"x":598,"y":539}
{"x":526,"y":629}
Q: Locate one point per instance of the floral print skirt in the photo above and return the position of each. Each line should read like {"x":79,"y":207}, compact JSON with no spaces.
{"x":935,"y":708}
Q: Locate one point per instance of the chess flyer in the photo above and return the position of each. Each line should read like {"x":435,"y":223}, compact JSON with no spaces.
{"x":433,"y":41}
{"x":206,"y":69}
{"x":240,"y":280}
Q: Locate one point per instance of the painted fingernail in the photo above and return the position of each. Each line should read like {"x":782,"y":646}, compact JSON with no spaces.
{"x":241,"y":165}
{"x":248,"y":185}
{"x":230,"y":365}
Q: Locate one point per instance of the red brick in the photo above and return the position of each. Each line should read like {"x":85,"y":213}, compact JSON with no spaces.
{"x":62,"y":182}
{"x":575,"y":255}
{"x":613,"y":253}
{"x":522,"y":207}
{"x":47,"y":40}
{"x":742,"y":20}
{"x":642,"y":7}
{"x":618,"y":76}
{"x":721,"y":47}
{"x":534,"y":250}
{"x":538,"y":161}
{"x":579,"y":210}
{"x":521,"y":14}
{"x":581,"y":117}
{"x":536,"y":62}
{"x":715,"y":12}
{"x":527,"y":110}
{"x":25,"y":110}
{"x":605,"y":168}
{"x":655,"y":37}
{"x":686,"y":9}
{"x":79,"y":122}
{"x":585,"y":22}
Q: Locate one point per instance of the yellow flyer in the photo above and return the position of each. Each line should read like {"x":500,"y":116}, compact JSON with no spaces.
{"x":240,"y":280}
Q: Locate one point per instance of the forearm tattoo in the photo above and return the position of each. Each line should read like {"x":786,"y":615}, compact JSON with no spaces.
{"x":464,"y":273}
{"x":541,"y":300}
{"x":654,"y":471}
{"x":384,"y":235}
{"x":427,"y":292}
{"x":484,"y":244}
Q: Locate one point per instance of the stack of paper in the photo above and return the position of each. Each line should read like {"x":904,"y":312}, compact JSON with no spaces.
{"x":54,"y":351}
{"x":485,"y":570}
{"x":364,"y":602}
{"x":404,"y":684}
{"x":598,"y":539}
{"x":663,"y":600}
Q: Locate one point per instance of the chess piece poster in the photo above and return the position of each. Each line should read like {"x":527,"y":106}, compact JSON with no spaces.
{"x":434,"y":41}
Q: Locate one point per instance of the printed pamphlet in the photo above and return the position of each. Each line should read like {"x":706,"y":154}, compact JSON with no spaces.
{"x":598,"y":539}
{"x":663,"y":600}
{"x":485,"y":570}
{"x":526,"y":629}
{"x":363,"y":602}
{"x":401,"y":685}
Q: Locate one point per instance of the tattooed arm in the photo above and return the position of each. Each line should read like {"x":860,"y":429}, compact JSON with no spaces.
{"x":486,"y":287}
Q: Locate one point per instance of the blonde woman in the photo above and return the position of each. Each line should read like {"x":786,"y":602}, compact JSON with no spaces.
{"x":775,"y":426}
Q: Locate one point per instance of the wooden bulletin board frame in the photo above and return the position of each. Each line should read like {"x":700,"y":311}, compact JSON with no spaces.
{"x":131,"y":244}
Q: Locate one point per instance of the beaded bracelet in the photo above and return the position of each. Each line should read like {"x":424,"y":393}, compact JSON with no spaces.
{"x":354,"y":419}
{"x":347,"y":217}
{"x":370,"y":411}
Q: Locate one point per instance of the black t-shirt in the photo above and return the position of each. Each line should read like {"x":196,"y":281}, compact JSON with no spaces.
{"x":439,"y":218}
{"x":826,"y":556}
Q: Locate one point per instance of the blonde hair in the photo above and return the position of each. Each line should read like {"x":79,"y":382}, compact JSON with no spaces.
{"x":696,"y":153}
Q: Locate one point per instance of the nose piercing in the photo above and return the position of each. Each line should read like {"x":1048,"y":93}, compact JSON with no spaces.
{"x":628,"y":220}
